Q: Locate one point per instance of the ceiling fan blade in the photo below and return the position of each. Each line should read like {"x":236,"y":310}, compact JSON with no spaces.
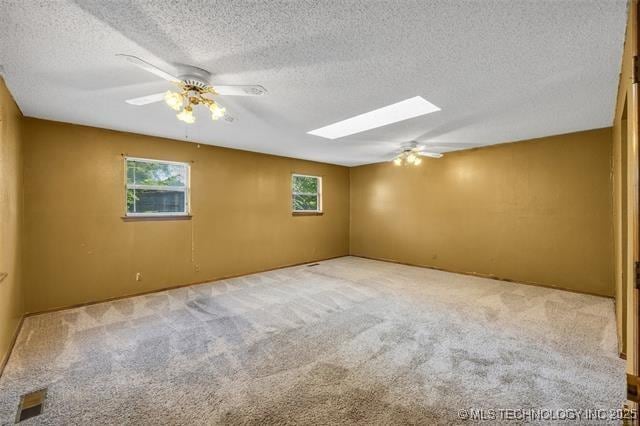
{"x":242,"y":90}
{"x":452,"y":146}
{"x":144,"y":100}
{"x":149,"y":67}
{"x":430,"y":154}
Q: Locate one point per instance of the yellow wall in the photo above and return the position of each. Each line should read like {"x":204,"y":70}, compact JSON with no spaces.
{"x":537,"y":211}
{"x":78,"y":248}
{"x":11,"y":297}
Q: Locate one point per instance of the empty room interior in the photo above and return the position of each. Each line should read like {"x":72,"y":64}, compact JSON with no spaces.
{"x":332,"y":212}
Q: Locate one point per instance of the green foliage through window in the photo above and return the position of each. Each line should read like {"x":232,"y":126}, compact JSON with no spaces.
{"x":156,"y":173}
{"x":156,"y":187}
{"x":306,"y":193}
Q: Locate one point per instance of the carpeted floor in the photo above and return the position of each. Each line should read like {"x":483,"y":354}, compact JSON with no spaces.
{"x":347,"y":341}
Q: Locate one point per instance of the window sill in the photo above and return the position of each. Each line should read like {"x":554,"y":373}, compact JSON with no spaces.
{"x":307,"y":213}
{"x":155,"y":217}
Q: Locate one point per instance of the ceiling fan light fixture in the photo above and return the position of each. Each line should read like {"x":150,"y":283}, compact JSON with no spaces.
{"x":217,"y":111}
{"x":174,"y":100}
{"x":412,"y":154}
{"x":193,"y":89}
{"x":186,"y":115}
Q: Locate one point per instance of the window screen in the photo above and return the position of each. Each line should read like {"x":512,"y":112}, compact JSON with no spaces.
{"x":157,"y":188}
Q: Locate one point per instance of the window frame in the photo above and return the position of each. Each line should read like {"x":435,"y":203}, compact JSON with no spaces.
{"x":318,"y":194}
{"x":186,"y":189}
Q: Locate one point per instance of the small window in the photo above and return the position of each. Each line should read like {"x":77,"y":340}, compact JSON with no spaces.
{"x":306,"y":193}
{"x":157,"y":188}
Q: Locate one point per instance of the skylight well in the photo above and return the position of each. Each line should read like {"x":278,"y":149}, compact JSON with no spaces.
{"x":400,"y":111}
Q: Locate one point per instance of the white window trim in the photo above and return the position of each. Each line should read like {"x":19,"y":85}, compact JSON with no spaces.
{"x":186,"y":189}
{"x":318,"y":195}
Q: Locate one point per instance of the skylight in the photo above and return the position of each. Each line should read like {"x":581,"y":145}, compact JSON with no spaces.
{"x":403,"y":110}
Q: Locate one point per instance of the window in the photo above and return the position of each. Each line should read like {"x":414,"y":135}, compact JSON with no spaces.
{"x":306,"y":193}
{"x":157,"y":188}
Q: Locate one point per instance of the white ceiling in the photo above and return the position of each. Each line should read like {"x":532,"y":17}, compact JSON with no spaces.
{"x":500,"y":70}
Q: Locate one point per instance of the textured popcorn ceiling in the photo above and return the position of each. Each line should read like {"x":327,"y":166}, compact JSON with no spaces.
{"x":500,"y":70}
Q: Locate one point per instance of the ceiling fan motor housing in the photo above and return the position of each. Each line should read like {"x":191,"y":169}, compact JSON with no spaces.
{"x":194,"y":76}
{"x":196,"y":84}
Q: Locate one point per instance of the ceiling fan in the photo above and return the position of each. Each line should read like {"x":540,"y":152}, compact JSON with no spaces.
{"x":194,"y":88}
{"x":411,"y":152}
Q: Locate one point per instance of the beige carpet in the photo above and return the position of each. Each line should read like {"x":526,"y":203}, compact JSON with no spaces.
{"x":347,"y":341}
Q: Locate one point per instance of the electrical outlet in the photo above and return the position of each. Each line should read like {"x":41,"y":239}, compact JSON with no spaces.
{"x":197,"y":268}
{"x":138,"y":276}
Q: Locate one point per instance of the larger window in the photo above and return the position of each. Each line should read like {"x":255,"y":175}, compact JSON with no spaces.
{"x":157,"y":188}
{"x":306,"y":193}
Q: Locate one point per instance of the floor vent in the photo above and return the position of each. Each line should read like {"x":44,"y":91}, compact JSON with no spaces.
{"x":313,"y":264}
{"x":31,"y":405}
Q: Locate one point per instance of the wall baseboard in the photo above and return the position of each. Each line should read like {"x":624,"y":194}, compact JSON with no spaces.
{"x":111,"y":299}
{"x":480,"y":275}
{"x":5,"y":359}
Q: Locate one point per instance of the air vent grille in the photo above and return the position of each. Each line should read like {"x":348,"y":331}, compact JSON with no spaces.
{"x":31,"y":405}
